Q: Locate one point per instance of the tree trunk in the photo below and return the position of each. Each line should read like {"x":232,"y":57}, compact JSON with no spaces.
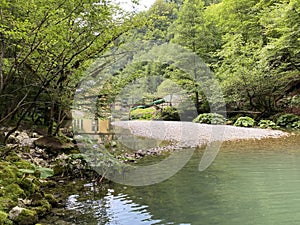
{"x":197,"y":101}
{"x":51,"y":117}
{"x":1,"y":62}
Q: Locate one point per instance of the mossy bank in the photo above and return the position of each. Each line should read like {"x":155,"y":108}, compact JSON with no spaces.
{"x":22,"y":199}
{"x":30,"y":178}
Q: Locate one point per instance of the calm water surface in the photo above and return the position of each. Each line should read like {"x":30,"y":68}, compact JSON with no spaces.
{"x":249,"y":183}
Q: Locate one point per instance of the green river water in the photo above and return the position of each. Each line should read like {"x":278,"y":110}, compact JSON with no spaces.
{"x":250,"y":182}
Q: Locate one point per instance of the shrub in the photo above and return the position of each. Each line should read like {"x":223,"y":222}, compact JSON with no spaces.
{"x":296,"y":125}
{"x":287,"y":120}
{"x":244,"y":122}
{"x":142,"y":114}
{"x":170,"y":114}
{"x":210,"y":118}
{"x":267,"y":124}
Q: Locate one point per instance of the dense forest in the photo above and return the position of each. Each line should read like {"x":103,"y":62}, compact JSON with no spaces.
{"x":251,"y":46}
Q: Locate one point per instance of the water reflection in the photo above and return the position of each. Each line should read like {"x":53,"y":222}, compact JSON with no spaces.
{"x":249,"y":183}
{"x":240,"y":188}
{"x":112,"y":209}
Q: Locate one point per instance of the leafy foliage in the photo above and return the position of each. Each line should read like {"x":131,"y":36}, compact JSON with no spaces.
{"x":267,"y":124}
{"x":43,"y":171}
{"x":45,"y":47}
{"x":170,"y":114}
{"x":244,"y":122}
{"x":296,"y":125}
{"x":142,"y":114}
{"x":252,"y":46}
{"x":253,"y":70}
{"x":210,"y":118}
{"x":167,"y":113}
{"x":288,"y":121}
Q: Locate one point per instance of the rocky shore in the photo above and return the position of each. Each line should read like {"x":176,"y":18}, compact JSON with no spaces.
{"x":188,"y":134}
{"x":33,"y":170}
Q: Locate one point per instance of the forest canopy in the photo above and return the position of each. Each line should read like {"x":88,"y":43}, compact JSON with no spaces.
{"x":252,"y":47}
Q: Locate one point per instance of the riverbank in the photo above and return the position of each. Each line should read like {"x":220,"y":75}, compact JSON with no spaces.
{"x":188,"y":134}
{"x":35,"y":172}
{"x":35,"y":169}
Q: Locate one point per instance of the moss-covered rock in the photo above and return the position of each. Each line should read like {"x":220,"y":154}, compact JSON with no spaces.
{"x":22,"y":183}
{"x":20,"y":192}
{"x":6,"y":204}
{"x":12,"y":157}
{"x":4,"y":219}
{"x":28,"y":186}
{"x":22,"y":164}
{"x":8,"y":173}
{"x":23,"y":216}
{"x":54,"y":145}
{"x":41,"y":207}
{"x":14,"y":191}
{"x":51,"y":199}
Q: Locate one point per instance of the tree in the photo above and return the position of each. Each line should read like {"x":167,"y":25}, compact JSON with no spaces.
{"x":252,"y":46}
{"x":257,"y":60}
{"x":189,"y":31}
{"x":168,"y":89}
{"x":161,"y":15}
{"x":45,"y":46}
{"x":281,"y":24}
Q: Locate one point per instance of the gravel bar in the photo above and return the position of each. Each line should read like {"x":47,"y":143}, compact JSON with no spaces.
{"x":188,"y":134}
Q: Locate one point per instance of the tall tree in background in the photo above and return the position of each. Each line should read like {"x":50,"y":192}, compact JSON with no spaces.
{"x":259,"y":53}
{"x":281,"y":55}
{"x":281,"y":24}
{"x":190,"y":31}
{"x":163,"y":16}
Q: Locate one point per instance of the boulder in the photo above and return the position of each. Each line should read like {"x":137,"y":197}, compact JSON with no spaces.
{"x":23,"y":216}
{"x":54,"y":145}
{"x":19,"y":137}
{"x":15,"y":212}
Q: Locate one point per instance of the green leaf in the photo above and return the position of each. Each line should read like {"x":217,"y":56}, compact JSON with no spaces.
{"x":45,"y":172}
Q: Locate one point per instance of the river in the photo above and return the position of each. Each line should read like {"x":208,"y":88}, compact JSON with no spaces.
{"x":250,"y":182}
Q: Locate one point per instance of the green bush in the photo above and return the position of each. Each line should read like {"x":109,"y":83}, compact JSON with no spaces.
{"x":267,"y":124}
{"x":170,"y":113}
{"x":296,"y":125}
{"x":142,"y":114}
{"x":244,"y":122}
{"x":210,"y":118}
{"x":287,"y":120}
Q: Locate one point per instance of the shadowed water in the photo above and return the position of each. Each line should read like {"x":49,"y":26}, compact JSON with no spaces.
{"x":250,"y":182}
